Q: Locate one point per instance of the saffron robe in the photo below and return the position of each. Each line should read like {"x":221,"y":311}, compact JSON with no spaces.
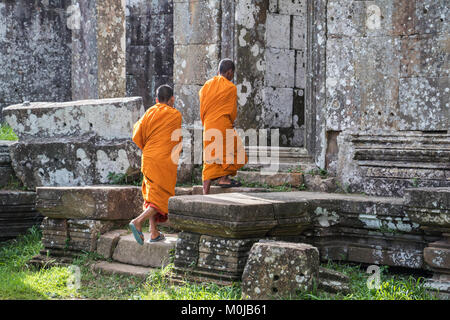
{"x":158,"y":135}
{"x":223,"y":150}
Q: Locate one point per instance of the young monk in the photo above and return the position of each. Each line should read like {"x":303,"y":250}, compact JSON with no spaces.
{"x":218,"y":111}
{"x":153,"y":135}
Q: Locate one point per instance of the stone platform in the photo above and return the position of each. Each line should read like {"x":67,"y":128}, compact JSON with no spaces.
{"x":219,"y":230}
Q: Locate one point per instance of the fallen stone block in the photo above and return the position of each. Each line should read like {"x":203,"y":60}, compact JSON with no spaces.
{"x":278,"y":269}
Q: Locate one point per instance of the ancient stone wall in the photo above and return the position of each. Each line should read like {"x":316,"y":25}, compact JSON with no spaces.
{"x":387,"y":94}
{"x":149,"y":39}
{"x":35,"y":52}
{"x":266,"y":39}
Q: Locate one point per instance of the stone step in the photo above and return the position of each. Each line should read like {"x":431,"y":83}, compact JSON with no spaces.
{"x":122,"y":269}
{"x":272,"y":179}
{"x":198,"y":190}
{"x":155,"y":255}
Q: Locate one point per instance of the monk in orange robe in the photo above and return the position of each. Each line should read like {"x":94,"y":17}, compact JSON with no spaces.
{"x":158,"y":135}
{"x":223,"y":151}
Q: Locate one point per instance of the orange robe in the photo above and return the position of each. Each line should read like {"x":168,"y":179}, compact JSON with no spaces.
{"x":218,"y":111}
{"x":153,"y":135}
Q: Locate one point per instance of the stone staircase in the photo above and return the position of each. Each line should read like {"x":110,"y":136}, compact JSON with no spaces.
{"x":281,"y":166}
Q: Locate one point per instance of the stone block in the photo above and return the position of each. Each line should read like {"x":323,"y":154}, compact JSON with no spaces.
{"x":144,"y":7}
{"x":74,"y":235}
{"x":278,"y":107}
{"x":377,"y":68}
{"x":275,"y":179}
{"x":292,"y":7}
{"x":432,"y":17}
{"x":279,"y":66}
{"x":75,"y":118}
{"x":187,"y":101}
{"x":195,"y":64}
{"x":345,"y":18}
{"x":228,"y":215}
{"x":108,"y":242}
{"x":217,"y":190}
{"x":343,"y":95}
{"x":195,"y":22}
{"x":93,"y":202}
{"x":424,"y":104}
{"x":149,"y":255}
{"x":279,"y":269}
{"x":17,"y":213}
{"x":72,"y":161}
{"x":278,"y":31}
{"x":429,"y":207}
{"x":300,"y":69}
{"x":333,"y":281}
{"x":425,"y":56}
{"x":299,"y":33}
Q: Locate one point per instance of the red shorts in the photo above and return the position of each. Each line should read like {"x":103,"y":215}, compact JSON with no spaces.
{"x":160,"y":217}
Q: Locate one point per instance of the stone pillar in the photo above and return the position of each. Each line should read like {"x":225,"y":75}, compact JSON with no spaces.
{"x":98,"y":48}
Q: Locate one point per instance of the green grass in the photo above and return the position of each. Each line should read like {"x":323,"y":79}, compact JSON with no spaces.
{"x":19,"y":280}
{"x":6,"y":133}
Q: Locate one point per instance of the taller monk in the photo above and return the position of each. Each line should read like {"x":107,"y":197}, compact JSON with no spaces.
{"x":223,"y":151}
{"x":158,"y":135}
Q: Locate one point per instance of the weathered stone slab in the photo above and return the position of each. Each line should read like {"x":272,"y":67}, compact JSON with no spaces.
{"x":279,"y":269}
{"x":92,"y":202}
{"x":149,"y":255}
{"x":75,"y":118}
{"x":292,"y":7}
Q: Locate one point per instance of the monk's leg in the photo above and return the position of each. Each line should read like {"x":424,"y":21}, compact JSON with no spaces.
{"x":147,"y":214}
{"x":154,"y":232}
{"x":224,"y":180}
{"x":206,"y":186}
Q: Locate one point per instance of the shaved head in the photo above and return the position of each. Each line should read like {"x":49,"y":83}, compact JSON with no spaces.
{"x":226,"y":65}
{"x":164,"y":93}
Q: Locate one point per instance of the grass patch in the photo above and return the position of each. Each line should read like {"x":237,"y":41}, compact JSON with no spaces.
{"x":19,"y":280}
{"x":7,"y":133}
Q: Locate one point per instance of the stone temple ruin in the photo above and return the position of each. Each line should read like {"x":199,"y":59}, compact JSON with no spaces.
{"x":357,"y":89}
